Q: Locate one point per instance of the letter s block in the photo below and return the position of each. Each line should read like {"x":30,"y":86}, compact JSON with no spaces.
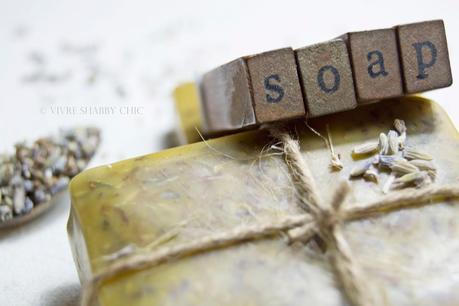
{"x":275,"y":86}
{"x":375,"y":63}
{"x":252,"y":90}
{"x":326,"y":77}
{"x":424,"y":54}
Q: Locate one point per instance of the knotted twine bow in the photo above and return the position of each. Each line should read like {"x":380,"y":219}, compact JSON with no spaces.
{"x":326,"y":221}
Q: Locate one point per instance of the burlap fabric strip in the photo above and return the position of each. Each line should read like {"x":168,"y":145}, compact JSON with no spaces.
{"x":319,"y":218}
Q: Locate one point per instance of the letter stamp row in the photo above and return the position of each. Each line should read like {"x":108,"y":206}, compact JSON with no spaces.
{"x":329,"y":77}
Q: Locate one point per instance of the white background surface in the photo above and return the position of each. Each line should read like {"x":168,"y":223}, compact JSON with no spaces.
{"x":118,"y":53}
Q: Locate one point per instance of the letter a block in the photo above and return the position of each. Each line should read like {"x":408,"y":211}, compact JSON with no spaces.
{"x":275,"y":85}
{"x":326,"y":77}
{"x":424,"y":54}
{"x":375,"y":63}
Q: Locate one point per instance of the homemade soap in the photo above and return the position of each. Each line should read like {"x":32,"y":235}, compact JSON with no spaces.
{"x":189,"y":114}
{"x":195,"y":190}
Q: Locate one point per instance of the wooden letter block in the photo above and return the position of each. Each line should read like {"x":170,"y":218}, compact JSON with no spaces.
{"x":226,"y":99}
{"x":424,"y":54}
{"x":376,"y":64}
{"x":275,"y":86}
{"x":326,"y":77}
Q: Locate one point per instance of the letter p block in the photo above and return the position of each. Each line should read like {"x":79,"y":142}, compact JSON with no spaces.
{"x":424,"y":55}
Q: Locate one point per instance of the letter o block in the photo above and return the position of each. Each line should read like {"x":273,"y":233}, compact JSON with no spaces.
{"x":376,"y":64}
{"x":326,"y":78}
{"x":424,"y":54}
{"x":275,"y":86}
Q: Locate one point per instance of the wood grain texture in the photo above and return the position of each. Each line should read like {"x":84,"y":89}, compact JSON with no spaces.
{"x":375,"y":64}
{"x":326,"y":78}
{"x":226,"y":98}
{"x":275,"y":85}
{"x":424,"y":54}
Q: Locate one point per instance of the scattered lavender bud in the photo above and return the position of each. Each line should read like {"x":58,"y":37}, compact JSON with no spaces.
{"x":35,"y":172}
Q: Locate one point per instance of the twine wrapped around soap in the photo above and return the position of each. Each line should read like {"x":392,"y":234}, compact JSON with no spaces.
{"x":319,"y":219}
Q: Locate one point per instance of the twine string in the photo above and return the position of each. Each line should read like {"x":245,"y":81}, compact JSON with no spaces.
{"x":328,"y":222}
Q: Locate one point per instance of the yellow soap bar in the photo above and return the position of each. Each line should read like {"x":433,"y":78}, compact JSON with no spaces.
{"x":191,"y":191}
{"x":188,"y":109}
